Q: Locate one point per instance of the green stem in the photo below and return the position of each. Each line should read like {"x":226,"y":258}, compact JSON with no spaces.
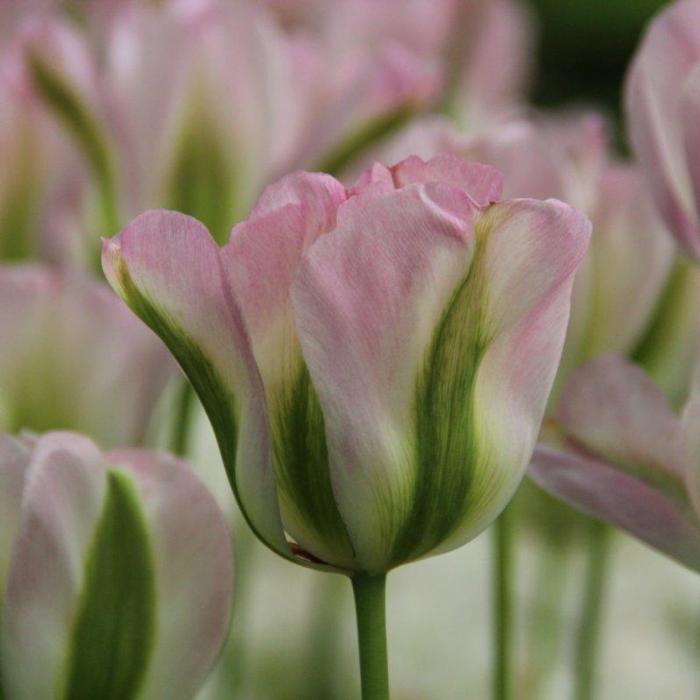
{"x":370,"y":606}
{"x":320,"y":658}
{"x":181,"y":431}
{"x":591,"y":619}
{"x":503,"y":605}
{"x":546,"y":620}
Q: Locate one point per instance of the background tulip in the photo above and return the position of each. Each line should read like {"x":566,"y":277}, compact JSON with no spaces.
{"x":626,"y":457}
{"x":662,"y":99}
{"x":71,"y":358}
{"x":120,"y":577}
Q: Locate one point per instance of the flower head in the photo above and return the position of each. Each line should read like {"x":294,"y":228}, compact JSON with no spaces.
{"x":115,"y":572}
{"x":375,"y":360}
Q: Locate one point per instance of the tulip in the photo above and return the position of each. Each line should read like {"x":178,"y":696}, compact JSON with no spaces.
{"x":375,"y":361}
{"x":626,"y":457}
{"x":162,"y":120}
{"x":335,"y":368}
{"x":73,"y":358}
{"x":116,"y":570}
{"x":662,"y":99}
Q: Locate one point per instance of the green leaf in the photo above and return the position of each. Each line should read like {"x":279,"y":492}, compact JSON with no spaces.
{"x":113,"y":633}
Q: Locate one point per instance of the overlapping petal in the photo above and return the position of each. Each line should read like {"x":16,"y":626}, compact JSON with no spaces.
{"x":166,"y":267}
{"x":120,"y":580}
{"x":626,"y":457}
{"x":656,"y":103}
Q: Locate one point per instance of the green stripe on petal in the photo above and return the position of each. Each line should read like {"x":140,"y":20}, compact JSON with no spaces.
{"x":219,"y":403}
{"x":114,"y":629}
{"x":446,"y":444}
{"x":303,"y":474}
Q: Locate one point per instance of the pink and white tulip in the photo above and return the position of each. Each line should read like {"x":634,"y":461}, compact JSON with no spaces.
{"x":115,"y":572}
{"x":662,"y":99}
{"x":73,"y":358}
{"x":375,"y":361}
{"x":626,"y":457}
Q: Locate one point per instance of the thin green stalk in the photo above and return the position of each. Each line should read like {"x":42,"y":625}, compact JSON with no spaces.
{"x":503,"y":606}
{"x":370,"y":606}
{"x":181,"y":430}
{"x":591,"y":616}
{"x":320,"y":658}
{"x":546,"y":619}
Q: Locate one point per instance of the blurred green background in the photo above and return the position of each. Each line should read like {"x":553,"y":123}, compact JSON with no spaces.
{"x":585,"y":47}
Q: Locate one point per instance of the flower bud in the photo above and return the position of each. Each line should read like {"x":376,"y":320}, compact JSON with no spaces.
{"x":376,"y":360}
{"x":119,"y":581}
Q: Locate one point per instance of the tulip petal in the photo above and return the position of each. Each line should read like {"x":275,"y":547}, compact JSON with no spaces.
{"x":260,"y":263}
{"x":74,"y":358}
{"x":166,"y":267}
{"x":483,"y":183}
{"x":611,"y":408}
{"x":383,"y":305}
{"x":63,"y":498}
{"x":691,"y":132}
{"x":654,"y":84}
{"x":621,"y":499}
{"x":14,"y":458}
{"x":192,"y":571}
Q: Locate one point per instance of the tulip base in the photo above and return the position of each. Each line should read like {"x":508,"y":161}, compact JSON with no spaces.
{"x":370,"y":606}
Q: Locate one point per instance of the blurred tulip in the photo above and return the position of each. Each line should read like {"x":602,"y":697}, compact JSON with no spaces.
{"x":73,"y":358}
{"x":162,"y":120}
{"x":120,"y":574}
{"x":662,"y":97}
{"x":625,"y":457}
{"x":384,"y":381}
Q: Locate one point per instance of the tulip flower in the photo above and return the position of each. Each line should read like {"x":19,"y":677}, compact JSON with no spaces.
{"x":116,"y":570}
{"x":73,"y":358}
{"x":626,"y":457}
{"x":298,"y":345}
{"x":162,"y":120}
{"x":375,"y":361}
{"x":662,"y":99}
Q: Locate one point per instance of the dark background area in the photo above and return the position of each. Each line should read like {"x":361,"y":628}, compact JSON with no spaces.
{"x":584,"y":49}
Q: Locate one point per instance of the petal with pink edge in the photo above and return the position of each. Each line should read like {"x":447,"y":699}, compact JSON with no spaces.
{"x":612,"y":409}
{"x":623,"y":500}
{"x":166,"y":267}
{"x":260,"y":262}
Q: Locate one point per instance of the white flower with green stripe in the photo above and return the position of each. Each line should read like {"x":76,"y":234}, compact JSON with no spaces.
{"x":375,"y":360}
{"x":115,"y":573}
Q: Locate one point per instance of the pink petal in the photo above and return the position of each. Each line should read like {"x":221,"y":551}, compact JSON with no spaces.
{"x":193,"y":569}
{"x":14,"y":458}
{"x":612,"y":409}
{"x":62,"y":503}
{"x":621,"y":499}
{"x":74,"y":358}
{"x":653,"y":99}
{"x":260,"y":262}
{"x":166,"y":266}
{"x":483,"y":183}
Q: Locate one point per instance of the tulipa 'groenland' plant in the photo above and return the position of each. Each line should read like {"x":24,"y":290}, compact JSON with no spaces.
{"x":375,"y":360}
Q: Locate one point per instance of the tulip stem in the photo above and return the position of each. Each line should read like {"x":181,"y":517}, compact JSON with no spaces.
{"x":370,"y":606}
{"x":503,"y":606}
{"x":590,"y":622}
